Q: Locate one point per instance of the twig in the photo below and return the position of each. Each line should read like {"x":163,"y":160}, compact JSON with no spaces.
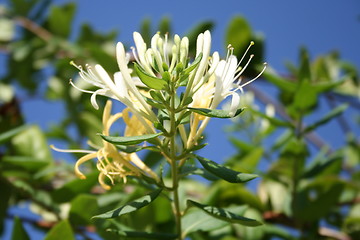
{"x":34,"y":28}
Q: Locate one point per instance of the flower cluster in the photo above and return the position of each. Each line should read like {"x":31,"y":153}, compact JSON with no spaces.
{"x":164,"y":92}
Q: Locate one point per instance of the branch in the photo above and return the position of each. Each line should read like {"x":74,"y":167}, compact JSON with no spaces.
{"x":315,"y":139}
{"x":34,"y":28}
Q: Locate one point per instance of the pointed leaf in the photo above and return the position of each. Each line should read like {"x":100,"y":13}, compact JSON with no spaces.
{"x":9,"y":134}
{"x":148,"y":80}
{"x":224,"y":172}
{"x":131,"y":140}
{"x":334,"y":113}
{"x":19,"y":232}
{"x":131,"y":206}
{"x":143,"y":235}
{"x":61,"y":231}
{"x":217,"y":113}
{"x":274,"y":121}
{"x":194,"y":64}
{"x":225,"y":215}
{"x":282,"y":83}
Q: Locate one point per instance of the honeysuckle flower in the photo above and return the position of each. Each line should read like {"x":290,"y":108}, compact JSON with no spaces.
{"x":224,"y":82}
{"x":112,"y":163}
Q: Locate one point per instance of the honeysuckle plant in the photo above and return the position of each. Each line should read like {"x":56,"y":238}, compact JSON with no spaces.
{"x":171,"y":99}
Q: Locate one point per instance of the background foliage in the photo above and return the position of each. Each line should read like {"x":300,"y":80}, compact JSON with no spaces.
{"x":306,"y":189}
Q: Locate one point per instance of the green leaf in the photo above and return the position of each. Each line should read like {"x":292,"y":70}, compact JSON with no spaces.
{"x":6,"y":136}
{"x":131,"y":206}
{"x":193,"y":65}
{"x":75,"y":187}
{"x":304,"y":71}
{"x":321,"y":164}
{"x":331,"y":115}
{"x":130,"y":140}
{"x":274,"y":121}
{"x":282,"y":83}
{"x":216,"y":113}
{"x":143,"y":235}
{"x":238,"y":34}
{"x":32,"y":143}
{"x":197,"y":220}
{"x":24,"y":162}
{"x":148,"y":80}
{"x":61,"y":231}
{"x":224,"y":172}
{"x":194,"y":33}
{"x":60,"y":19}
{"x":225,"y":215}
{"x":83,"y":207}
{"x":19,"y":232}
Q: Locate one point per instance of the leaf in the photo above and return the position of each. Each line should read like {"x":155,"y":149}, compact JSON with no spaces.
{"x":61,"y":231}
{"x":320,"y":165}
{"x":143,"y":235}
{"x":225,"y":215}
{"x":194,"y":64}
{"x":75,"y":187}
{"x":19,"y":232}
{"x":274,"y":121}
{"x":148,"y":80}
{"x":217,"y":113}
{"x":32,"y":143}
{"x":24,"y":162}
{"x":60,"y":19}
{"x":331,"y":115}
{"x":238,"y":34}
{"x":224,"y":172}
{"x":130,"y":140}
{"x":282,"y":83}
{"x":83,"y":207}
{"x":198,"y":220}
{"x":131,"y":206}
{"x":194,"y":33}
{"x":6,"y":136}
{"x":304,"y":71}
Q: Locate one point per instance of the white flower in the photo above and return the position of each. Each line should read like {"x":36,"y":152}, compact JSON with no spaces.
{"x":228,"y":78}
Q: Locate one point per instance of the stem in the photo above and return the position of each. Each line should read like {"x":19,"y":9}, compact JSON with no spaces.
{"x":174,"y":165}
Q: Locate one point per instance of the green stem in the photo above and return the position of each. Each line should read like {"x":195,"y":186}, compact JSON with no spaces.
{"x":174,"y":165}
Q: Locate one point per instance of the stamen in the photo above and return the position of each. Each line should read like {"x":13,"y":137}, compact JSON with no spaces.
{"x":81,"y":90}
{"x":71,"y":150}
{"x":243,"y":69}
{"x":248,"y":48}
{"x":263,"y":70}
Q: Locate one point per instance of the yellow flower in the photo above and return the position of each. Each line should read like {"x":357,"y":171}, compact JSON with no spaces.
{"x":111,"y":163}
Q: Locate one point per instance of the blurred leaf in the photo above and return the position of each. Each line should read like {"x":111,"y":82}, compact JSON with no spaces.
{"x":274,"y":121}
{"x":131,"y":206}
{"x":60,"y":231}
{"x":32,"y":143}
{"x":165,"y":26}
{"x":19,"y":232}
{"x":215,"y":113}
{"x":22,"y":7}
{"x":304,"y":71}
{"x":102,"y":57}
{"x":239,"y":35}
{"x":331,"y":115}
{"x":75,"y":187}
{"x":6,"y":136}
{"x":143,"y":235}
{"x":224,"y":215}
{"x":317,"y":199}
{"x":23,"y":162}
{"x":60,"y":19}
{"x":7,"y":27}
{"x":83,"y":207}
{"x":305,"y":97}
{"x":130,"y":140}
{"x":193,"y":33}
{"x":320,"y":165}
{"x":6,"y":193}
{"x":145,"y":31}
{"x":282,"y":83}
{"x":224,"y":172}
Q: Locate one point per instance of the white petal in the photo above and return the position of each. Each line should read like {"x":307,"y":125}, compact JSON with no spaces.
{"x":235,"y":103}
